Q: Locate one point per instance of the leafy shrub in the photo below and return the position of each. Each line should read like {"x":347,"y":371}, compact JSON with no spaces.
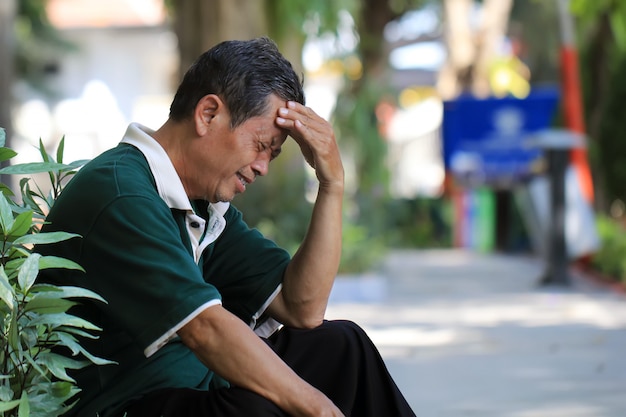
{"x":610,"y":259}
{"x":361,"y":252}
{"x":34,"y":318}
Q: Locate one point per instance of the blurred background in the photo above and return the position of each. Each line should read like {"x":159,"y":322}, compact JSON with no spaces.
{"x":434,"y":103}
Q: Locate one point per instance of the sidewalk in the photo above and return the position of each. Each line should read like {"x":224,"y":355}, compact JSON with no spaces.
{"x":468,"y":334}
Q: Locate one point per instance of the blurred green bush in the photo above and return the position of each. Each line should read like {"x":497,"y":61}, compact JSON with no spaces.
{"x":610,"y":260}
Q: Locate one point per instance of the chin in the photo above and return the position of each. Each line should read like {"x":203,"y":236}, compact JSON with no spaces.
{"x":223,"y":199}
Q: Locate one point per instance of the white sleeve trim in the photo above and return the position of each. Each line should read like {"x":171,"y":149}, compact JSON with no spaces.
{"x":270,"y":325}
{"x":171,"y":333}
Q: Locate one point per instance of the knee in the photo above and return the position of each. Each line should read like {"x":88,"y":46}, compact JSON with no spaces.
{"x":344,"y":330}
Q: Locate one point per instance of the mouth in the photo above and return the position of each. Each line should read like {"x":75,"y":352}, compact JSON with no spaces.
{"x":243,"y":181}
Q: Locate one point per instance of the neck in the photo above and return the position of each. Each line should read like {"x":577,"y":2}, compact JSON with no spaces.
{"x":174,"y":138}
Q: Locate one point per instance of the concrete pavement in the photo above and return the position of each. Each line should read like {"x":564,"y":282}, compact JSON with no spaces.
{"x":467,"y":334}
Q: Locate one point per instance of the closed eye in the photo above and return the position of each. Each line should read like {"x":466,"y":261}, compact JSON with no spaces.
{"x":275,"y":153}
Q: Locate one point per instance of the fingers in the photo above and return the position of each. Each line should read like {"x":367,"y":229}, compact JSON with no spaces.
{"x":303,"y":124}
{"x":305,"y":127}
{"x":316,"y":139}
{"x":296,"y":118}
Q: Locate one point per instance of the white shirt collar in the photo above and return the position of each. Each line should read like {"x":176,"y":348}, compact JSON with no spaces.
{"x":169,"y":185}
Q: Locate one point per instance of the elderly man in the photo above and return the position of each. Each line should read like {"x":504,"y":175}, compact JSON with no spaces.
{"x":205,"y":316}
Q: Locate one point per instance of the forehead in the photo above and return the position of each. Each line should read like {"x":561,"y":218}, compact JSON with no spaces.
{"x":264,"y":126}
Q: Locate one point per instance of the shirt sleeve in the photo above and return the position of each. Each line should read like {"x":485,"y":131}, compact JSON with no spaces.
{"x":245,"y":267}
{"x":136,"y":259}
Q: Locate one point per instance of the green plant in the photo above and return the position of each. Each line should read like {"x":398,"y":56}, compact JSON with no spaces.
{"x":34,"y":318}
{"x":609,"y":259}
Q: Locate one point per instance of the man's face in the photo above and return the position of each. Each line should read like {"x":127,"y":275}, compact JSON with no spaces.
{"x":235,"y":157}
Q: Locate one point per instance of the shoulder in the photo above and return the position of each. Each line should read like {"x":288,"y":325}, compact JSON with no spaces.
{"x":118,"y":171}
{"x":121,"y":173}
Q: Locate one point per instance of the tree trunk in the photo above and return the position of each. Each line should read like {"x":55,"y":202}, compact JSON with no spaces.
{"x":375,"y":15}
{"x":470,"y":53}
{"x":200,"y":24}
{"x":455,"y":75}
{"x":494,"y":22}
{"x":599,"y":97}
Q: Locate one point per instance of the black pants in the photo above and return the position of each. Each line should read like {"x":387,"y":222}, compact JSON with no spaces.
{"x":337,"y":358}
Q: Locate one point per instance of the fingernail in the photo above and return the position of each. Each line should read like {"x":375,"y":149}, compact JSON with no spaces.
{"x":280,"y":120}
{"x":283,"y":111}
{"x":291,"y":104}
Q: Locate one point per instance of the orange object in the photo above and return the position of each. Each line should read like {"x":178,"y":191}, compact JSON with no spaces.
{"x":574,"y":119}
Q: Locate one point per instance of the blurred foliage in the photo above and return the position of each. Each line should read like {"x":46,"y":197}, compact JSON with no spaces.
{"x":38,"y":44}
{"x":602,"y":38}
{"x":540,"y":48}
{"x":419,"y":223}
{"x":373,"y":221}
{"x":610,"y":144}
{"x":589,"y":11}
{"x":610,"y":259}
{"x":357,"y":128}
{"x":288,"y":18}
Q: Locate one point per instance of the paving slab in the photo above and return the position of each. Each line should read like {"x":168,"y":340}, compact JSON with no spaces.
{"x":470,"y":334}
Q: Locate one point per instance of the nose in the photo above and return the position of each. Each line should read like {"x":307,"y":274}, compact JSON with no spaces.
{"x":261,"y":165}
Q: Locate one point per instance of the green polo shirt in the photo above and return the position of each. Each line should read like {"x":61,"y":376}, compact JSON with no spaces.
{"x":159,"y":260}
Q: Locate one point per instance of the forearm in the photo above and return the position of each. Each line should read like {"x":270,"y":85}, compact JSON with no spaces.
{"x":310,"y":275}
{"x":226,"y":345}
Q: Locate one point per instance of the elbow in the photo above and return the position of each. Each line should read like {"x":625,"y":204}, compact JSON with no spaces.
{"x":304,"y":321}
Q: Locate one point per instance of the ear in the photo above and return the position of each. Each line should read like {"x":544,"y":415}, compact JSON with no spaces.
{"x":209,"y":109}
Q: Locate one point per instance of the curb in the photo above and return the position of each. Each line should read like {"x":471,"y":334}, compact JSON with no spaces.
{"x":586,"y":271}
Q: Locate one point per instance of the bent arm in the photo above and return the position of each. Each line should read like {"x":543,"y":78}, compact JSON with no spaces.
{"x":310,"y":274}
{"x":226,"y":345}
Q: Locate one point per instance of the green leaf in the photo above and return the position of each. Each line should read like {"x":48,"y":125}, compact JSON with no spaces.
{"x":27,"y":196}
{"x":29,"y":336}
{"x":46,"y":396}
{"x":24,"y":409}
{"x":6,"y":154}
{"x":75,"y":331}
{"x":44,"y":238}
{"x":37,"y":368}
{"x":28,"y":272}
{"x":21,"y":225}
{"x":33,"y":168}
{"x":60,"y":150}
{"x":44,"y":288}
{"x":58,"y":365}
{"x":78,"y":292}
{"x":48,"y":305}
{"x":6,"y":215}
{"x":8,"y":405}
{"x":62,"y":389}
{"x":7,"y":293}
{"x":76,"y":348}
{"x":42,"y":151}
{"x":47,"y":262}
{"x":4,"y":189}
{"x":62,"y":319}
{"x":6,"y":393}
{"x":13,"y":333}
{"x":76,"y":164}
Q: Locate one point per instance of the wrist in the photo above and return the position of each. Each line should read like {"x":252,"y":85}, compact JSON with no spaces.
{"x":331,"y":187}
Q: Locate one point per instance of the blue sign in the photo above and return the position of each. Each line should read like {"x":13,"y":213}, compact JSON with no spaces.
{"x":484,"y":140}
